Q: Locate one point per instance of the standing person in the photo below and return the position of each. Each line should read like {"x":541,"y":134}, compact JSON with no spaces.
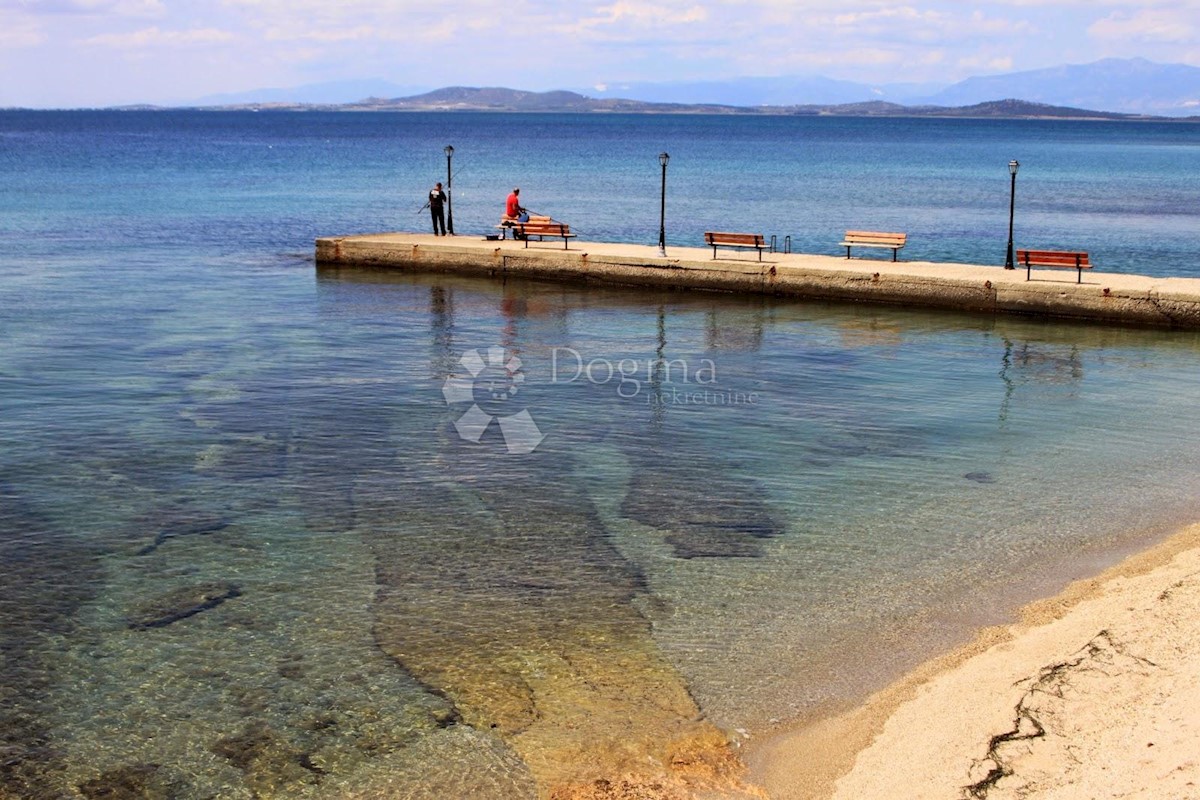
{"x":513,"y":209}
{"x":437,"y":202}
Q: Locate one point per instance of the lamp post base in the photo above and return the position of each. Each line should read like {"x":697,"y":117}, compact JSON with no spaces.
{"x":662,"y":252}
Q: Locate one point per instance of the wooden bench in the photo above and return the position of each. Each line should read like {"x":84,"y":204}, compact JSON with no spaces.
{"x":510,"y":223}
{"x":741,"y":241}
{"x":542,"y":229}
{"x":1064,"y":259}
{"x":891,"y":241}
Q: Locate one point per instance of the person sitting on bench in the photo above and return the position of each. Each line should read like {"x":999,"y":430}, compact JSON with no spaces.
{"x":513,"y":210}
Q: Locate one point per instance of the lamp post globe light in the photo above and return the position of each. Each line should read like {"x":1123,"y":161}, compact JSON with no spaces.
{"x":449,"y":150}
{"x":1013,"y":166}
{"x":663,"y":158}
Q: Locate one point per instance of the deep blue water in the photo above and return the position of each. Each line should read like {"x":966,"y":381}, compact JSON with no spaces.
{"x":248,"y":549}
{"x":1127,"y":192}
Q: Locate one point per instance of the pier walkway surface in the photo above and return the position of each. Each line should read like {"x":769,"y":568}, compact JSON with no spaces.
{"x":1103,"y":296}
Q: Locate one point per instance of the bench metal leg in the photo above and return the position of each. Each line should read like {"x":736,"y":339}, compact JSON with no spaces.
{"x":894,"y":252}
{"x":760,"y":254}
{"x":847,"y":252}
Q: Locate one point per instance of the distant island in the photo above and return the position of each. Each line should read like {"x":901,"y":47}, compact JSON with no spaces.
{"x":462,"y":98}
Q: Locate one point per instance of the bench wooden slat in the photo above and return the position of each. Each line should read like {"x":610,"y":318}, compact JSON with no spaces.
{"x":886,"y":239}
{"x":717,"y":239}
{"x":1053,"y":258}
{"x":542,"y":228}
{"x":512,"y":223}
{"x":877,"y":236}
{"x":751,"y":239}
{"x":1065,"y":259}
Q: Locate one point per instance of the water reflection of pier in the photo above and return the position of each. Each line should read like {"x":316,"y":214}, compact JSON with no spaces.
{"x":1056,"y":369}
{"x":745,"y":335}
{"x":441,"y":328}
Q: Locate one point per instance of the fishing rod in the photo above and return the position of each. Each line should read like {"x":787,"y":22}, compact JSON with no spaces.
{"x":452,"y":177}
{"x":533,"y":213}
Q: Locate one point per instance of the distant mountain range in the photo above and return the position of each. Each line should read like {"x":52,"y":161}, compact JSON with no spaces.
{"x":332,"y":92}
{"x":1127,"y":86}
{"x":1119,"y":86}
{"x":782,"y":91}
{"x":461,"y":98}
{"x":1131,"y":86}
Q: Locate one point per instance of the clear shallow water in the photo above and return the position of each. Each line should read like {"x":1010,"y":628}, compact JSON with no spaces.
{"x":246,"y":550}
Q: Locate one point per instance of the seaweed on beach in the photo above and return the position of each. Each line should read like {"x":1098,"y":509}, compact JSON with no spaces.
{"x":1036,"y":714}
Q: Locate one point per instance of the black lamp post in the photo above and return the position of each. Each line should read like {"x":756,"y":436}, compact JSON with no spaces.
{"x":449,"y":192}
{"x":1013,"y":166}
{"x":663,"y":158}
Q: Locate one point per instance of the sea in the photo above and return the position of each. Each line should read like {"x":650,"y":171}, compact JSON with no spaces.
{"x":275,"y":529}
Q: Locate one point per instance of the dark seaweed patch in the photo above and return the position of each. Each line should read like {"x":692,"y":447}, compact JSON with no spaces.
{"x":201,"y":525}
{"x":47,"y":575}
{"x":181,"y":603}
{"x":726,"y":519}
{"x":132,"y":782}
{"x":268,"y":762}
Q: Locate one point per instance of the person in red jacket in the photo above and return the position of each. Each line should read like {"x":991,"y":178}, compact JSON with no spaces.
{"x":513,"y":209}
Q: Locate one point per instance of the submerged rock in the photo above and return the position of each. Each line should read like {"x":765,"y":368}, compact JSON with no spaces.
{"x":181,"y":603}
{"x":194,"y":523}
{"x":47,"y":575}
{"x":248,"y":457}
{"x":516,"y":605}
{"x":272,"y":766}
{"x":728,"y":518}
{"x":980,"y":477}
{"x":132,"y":782}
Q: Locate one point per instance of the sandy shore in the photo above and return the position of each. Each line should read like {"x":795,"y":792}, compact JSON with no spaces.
{"x":1093,"y":693}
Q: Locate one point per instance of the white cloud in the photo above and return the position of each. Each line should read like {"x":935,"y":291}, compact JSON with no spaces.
{"x":1154,"y":25}
{"x":985,"y":63}
{"x":154,"y":37}
{"x":17,"y":31}
{"x":121,"y":8}
{"x":651,"y":13}
{"x":574,"y":43}
{"x":29,"y":23}
{"x":322,"y":34}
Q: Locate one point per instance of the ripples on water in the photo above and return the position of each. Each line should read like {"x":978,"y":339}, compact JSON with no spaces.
{"x":247,"y":553}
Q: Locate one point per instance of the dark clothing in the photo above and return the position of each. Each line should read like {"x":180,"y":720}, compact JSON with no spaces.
{"x":437,"y":199}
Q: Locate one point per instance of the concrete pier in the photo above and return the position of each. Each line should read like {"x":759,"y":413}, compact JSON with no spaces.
{"x":1102,"y":297}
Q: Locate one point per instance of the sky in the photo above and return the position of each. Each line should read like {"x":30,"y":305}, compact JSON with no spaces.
{"x":86,"y":53}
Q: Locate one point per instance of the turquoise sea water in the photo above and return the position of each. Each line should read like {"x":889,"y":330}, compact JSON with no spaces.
{"x":246,"y":551}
